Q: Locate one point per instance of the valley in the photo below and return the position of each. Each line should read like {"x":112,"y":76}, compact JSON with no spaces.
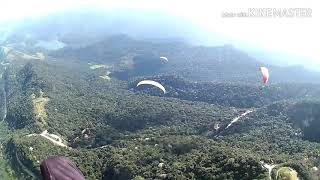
{"x":212,"y":122}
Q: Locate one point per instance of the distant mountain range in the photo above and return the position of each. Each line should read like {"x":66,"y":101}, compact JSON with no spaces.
{"x":199,"y":63}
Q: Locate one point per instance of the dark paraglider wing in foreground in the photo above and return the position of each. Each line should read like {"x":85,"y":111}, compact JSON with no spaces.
{"x":60,"y":168}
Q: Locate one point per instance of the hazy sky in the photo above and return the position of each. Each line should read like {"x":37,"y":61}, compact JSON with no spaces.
{"x":296,"y":36}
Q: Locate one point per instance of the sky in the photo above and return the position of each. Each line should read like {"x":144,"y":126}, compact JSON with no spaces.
{"x":295,"y":36}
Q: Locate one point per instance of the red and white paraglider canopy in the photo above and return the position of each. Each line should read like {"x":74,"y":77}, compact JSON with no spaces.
{"x":265,"y":74}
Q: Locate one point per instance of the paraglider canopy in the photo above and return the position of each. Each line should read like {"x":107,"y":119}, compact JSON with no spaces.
{"x":60,"y":168}
{"x":154,"y":83}
{"x":265,"y":74}
{"x":164,"y":58}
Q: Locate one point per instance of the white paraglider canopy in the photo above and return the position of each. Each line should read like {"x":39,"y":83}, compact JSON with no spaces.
{"x":164,"y":58}
{"x":154,"y":83}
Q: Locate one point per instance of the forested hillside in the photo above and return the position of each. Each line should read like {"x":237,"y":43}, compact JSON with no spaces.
{"x":199,"y":63}
{"x":215,"y":121}
{"x":238,"y":95}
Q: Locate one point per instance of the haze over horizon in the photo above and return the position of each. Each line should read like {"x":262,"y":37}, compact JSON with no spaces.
{"x":290,"y":40}
{"x":165,"y":89}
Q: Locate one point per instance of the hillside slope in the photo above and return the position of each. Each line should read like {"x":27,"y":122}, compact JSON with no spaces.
{"x":85,"y":105}
{"x":199,"y":63}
